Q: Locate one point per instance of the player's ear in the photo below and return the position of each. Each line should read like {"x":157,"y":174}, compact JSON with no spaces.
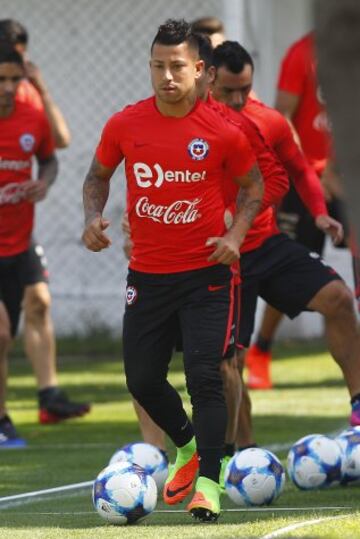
{"x":199,"y":68}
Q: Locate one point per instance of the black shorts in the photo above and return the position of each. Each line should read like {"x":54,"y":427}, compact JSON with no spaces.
{"x":199,"y":302}
{"x":17,"y":272}
{"x":295,"y":220}
{"x":285,"y":274}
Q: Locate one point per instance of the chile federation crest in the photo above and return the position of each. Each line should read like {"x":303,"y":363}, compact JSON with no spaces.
{"x":198,"y":149}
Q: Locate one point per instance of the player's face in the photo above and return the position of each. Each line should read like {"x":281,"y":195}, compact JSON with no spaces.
{"x":174,"y":71}
{"x":10,"y":77}
{"x":232,"y":88}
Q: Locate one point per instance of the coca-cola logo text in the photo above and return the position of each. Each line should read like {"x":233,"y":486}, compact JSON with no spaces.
{"x":12,"y":193}
{"x":147,"y":177}
{"x":180,"y":212}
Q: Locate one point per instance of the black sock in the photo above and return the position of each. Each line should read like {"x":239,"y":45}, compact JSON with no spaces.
{"x":263,"y":344}
{"x":45,"y":394}
{"x":210,"y":463}
{"x":355,"y":398}
{"x":229,"y":450}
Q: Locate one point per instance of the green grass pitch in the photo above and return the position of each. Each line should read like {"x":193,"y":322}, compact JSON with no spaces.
{"x":308,"y":397}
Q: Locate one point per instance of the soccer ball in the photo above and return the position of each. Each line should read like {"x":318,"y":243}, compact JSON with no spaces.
{"x":314,"y":462}
{"x":254,"y":477}
{"x":123,"y":493}
{"x":349,"y":442}
{"x":149,"y":457}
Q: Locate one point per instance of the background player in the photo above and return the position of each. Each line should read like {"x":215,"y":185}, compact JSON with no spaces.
{"x":280,"y":270}
{"x":299,"y":99}
{"x":39,"y":336}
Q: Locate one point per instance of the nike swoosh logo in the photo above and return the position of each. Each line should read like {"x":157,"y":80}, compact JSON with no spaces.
{"x":214,"y":288}
{"x":172,"y":493}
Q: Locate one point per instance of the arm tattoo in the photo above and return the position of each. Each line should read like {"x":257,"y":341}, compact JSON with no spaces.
{"x":95,"y":192}
{"x":248,"y":200}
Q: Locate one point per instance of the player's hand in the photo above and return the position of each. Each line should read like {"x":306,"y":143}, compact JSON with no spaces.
{"x":35,"y":190}
{"x":331,"y":227}
{"x":226,"y":249}
{"x":34,"y":75}
{"x":94,"y":237}
{"x":125,"y":225}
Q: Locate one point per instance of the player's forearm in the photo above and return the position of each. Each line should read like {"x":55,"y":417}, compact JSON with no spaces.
{"x":307,"y":185}
{"x":59,"y":127}
{"x":95,"y":195}
{"x":48,"y":170}
{"x":248,"y":204}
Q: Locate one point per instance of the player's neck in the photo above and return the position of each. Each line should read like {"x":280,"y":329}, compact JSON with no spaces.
{"x":177,"y":110}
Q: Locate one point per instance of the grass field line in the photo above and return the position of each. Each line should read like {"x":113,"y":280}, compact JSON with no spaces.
{"x":305,"y":523}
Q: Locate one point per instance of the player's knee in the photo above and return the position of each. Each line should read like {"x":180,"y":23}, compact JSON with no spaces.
{"x":228,"y":371}
{"x":37,"y":304}
{"x":338,"y":301}
{"x":141,"y":385}
{"x":205,"y":383}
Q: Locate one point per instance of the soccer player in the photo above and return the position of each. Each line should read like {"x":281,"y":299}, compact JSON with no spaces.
{"x":24,"y":133}
{"x":177,"y":153}
{"x":286,"y":274}
{"x":39,"y":337}
{"x":300,"y":100}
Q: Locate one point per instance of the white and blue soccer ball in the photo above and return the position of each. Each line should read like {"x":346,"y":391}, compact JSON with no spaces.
{"x":349,"y":442}
{"x":123,"y":493}
{"x":149,"y":457}
{"x":254,"y":476}
{"x":314,"y":462}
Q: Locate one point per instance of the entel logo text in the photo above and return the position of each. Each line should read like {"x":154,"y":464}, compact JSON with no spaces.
{"x":145,"y":176}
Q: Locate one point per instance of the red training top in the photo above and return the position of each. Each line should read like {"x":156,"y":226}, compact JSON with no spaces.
{"x":276,"y":181}
{"x":175,"y":168}
{"x":277,"y":133}
{"x":23,"y":134}
{"x":298,"y":77}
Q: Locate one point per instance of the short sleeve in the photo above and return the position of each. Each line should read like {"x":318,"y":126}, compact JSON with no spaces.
{"x":108,"y":151}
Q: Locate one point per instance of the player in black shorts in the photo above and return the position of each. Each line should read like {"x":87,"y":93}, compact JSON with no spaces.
{"x":16,"y":273}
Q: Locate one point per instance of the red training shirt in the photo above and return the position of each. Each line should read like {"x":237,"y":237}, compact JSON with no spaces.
{"x":278,"y":135}
{"x":276,"y":181}
{"x":175,"y":169}
{"x":23,"y":134}
{"x":298,"y":76}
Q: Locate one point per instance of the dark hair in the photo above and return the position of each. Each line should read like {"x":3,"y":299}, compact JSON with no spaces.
{"x":13,"y":32}
{"x":175,"y":32}
{"x":9,"y":55}
{"x":208,"y":26}
{"x":205,"y":49}
{"x":231,"y":55}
